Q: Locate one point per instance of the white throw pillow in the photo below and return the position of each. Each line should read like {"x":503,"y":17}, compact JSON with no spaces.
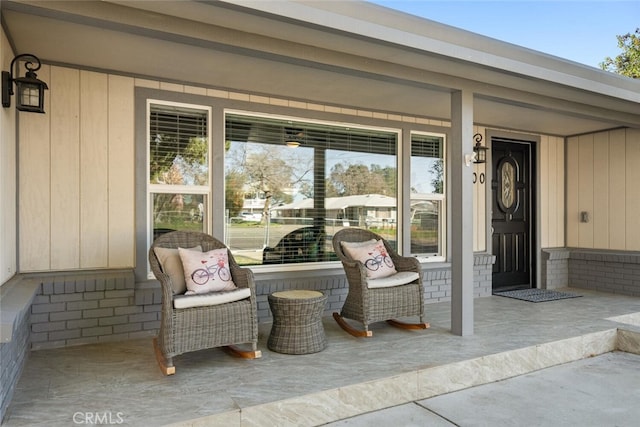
{"x":172,"y":265}
{"x":375,"y":258}
{"x":206,"y":271}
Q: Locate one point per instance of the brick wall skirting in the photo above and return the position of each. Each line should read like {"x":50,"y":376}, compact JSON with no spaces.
{"x":555,"y":268}
{"x":482,"y":274}
{"x":16,"y":296}
{"x":437,"y":285}
{"x":13,"y":356}
{"x":611,"y":271}
{"x":75,"y":308}
{"x":95,"y":306}
{"x":616,"y":272}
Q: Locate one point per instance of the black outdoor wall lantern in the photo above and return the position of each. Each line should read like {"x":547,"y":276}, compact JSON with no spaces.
{"x":29,"y":89}
{"x":479,"y":149}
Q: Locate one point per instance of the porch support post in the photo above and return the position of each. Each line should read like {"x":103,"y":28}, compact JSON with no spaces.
{"x":461,"y":196}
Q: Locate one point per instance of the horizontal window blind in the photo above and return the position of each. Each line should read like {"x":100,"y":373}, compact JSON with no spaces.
{"x":177,"y":134}
{"x":266,"y":130}
{"x":426,"y":146}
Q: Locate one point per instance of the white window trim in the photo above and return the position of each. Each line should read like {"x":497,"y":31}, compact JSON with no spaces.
{"x":442,"y":224}
{"x":205,"y":190}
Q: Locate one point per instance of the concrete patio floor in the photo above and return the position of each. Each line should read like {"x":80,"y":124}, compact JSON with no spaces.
{"x":120,"y":382}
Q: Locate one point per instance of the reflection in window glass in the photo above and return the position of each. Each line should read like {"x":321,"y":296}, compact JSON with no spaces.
{"x":291,"y":185}
{"x":178,"y":150}
{"x":178,"y":146}
{"x":177,"y":212}
{"x":427,"y":194}
{"x":362,"y":189}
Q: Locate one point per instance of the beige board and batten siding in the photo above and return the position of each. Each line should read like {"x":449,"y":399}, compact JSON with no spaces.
{"x":121,"y":157}
{"x":76,"y":175}
{"x":34,"y":198}
{"x":64,"y":181}
{"x":94,"y":143}
{"x":602,"y":180}
{"x":551,"y":191}
{"x":480,"y":199}
{"x":8,"y":236}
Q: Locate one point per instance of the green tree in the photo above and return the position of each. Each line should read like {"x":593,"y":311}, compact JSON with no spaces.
{"x":437,"y":169}
{"x":173,"y":163}
{"x":390,"y":178}
{"x":234,"y":192}
{"x":628,"y":62}
{"x":270,"y":174}
{"x":349,"y":180}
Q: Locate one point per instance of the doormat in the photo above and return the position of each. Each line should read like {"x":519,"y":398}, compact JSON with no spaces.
{"x":536,"y":295}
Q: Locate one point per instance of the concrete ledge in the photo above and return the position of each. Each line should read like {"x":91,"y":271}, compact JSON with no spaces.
{"x":627,"y":257}
{"x":555,"y":253}
{"x":483,"y":259}
{"x":16,"y":297}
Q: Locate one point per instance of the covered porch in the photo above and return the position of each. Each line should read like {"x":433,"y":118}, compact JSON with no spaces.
{"x":350,"y":377}
{"x":78,"y":197}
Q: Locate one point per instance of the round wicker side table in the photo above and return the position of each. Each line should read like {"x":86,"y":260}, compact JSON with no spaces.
{"x":297,"y":322}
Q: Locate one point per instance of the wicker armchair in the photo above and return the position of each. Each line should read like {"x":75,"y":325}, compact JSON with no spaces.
{"x":386,"y":299}
{"x":194,"y":328}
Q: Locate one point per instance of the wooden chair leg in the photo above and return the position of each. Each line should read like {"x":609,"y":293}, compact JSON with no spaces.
{"x":245,"y":354}
{"x":403,"y":325}
{"x":350,"y":329}
{"x":166,"y":365}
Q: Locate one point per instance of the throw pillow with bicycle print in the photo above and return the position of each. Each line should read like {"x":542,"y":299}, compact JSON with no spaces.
{"x":206,"y":271}
{"x":376,"y":259}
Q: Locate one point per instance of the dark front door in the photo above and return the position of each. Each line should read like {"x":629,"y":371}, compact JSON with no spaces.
{"x":512,"y":219}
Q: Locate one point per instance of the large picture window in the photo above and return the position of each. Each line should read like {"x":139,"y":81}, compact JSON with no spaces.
{"x":290,"y":185}
{"x":178,"y":167}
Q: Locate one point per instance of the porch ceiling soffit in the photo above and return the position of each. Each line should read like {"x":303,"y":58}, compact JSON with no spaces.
{"x":113,"y":28}
{"x":205,"y":53}
{"x":529,"y":118}
{"x":324,"y":35}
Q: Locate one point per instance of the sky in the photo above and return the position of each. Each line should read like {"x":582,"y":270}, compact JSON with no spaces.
{"x":581,"y":31}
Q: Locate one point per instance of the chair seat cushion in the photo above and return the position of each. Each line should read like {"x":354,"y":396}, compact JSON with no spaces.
{"x":211,"y":298}
{"x":400,"y":278}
